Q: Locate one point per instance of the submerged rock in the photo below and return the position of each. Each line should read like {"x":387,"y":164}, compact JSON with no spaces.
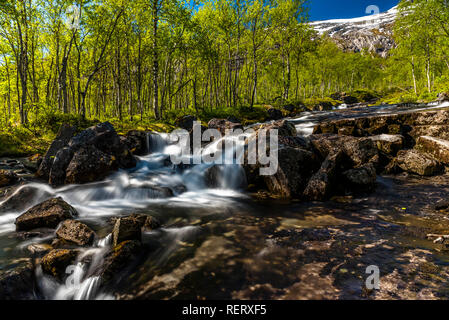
{"x":76,"y":232}
{"x":18,"y":283}
{"x":7,"y":178}
{"x":47,"y":214}
{"x":413,"y":161}
{"x":55,"y":262}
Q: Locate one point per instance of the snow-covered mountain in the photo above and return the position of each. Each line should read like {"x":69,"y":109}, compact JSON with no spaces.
{"x":372,"y":32}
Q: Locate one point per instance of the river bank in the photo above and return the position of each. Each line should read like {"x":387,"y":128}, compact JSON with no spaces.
{"x":225,"y":243}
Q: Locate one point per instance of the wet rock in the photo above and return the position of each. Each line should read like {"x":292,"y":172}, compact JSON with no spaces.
{"x":18,"y":283}
{"x":349,"y":100}
{"x":215,"y":177}
{"x":387,"y":143}
{"x":274,"y":114}
{"x":284,"y":128}
{"x":233,"y":119}
{"x":23,"y":198}
{"x":7,"y":178}
{"x":361,"y":178}
{"x":223,"y":125}
{"x":289,"y":108}
{"x":295,"y":142}
{"x":295,"y":166}
{"x":359,"y":150}
{"x":185,"y":122}
{"x":413,"y":161}
{"x":76,"y":232}
{"x":32,"y":163}
{"x":322,"y":183}
{"x":62,"y":160}
{"x":136,"y":141}
{"x":55,"y":262}
{"x":39,"y":248}
{"x":118,"y":259}
{"x":127,"y":228}
{"x":90,"y":164}
{"x":146,"y":222}
{"x":66,"y":132}
{"x":47,"y":214}
{"x":149,"y":192}
{"x":96,"y":148}
{"x":437,"y":148}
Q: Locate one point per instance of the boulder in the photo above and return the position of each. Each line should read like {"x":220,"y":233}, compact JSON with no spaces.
{"x":7,"y":178}
{"x":322,"y":183}
{"x":47,"y":214}
{"x":62,"y":160}
{"x":55,"y":262}
{"x":146,"y":222}
{"x":361,"y":178}
{"x":413,"y":161}
{"x":437,"y":148}
{"x":349,"y":99}
{"x":75,"y":232}
{"x":388,"y":143}
{"x":66,"y":132}
{"x":185,"y":122}
{"x":233,"y":119}
{"x":89,"y":164}
{"x":274,"y":114}
{"x":127,"y":228}
{"x":285,"y":128}
{"x":223,"y":125}
{"x":289,"y":108}
{"x":98,"y":149}
{"x":118,"y":259}
{"x":359,"y":150}
{"x":295,"y":166}
{"x":137,"y":142}
{"x":19,"y":282}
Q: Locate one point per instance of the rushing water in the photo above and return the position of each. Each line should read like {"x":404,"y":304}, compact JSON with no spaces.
{"x":219,"y":243}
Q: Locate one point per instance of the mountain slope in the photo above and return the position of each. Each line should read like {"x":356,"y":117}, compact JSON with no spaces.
{"x":373,"y":32}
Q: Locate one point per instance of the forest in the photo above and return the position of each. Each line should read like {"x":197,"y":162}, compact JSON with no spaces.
{"x":144,"y":63}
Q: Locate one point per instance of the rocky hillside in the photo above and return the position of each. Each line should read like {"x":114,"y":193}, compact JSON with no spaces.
{"x":373,"y":32}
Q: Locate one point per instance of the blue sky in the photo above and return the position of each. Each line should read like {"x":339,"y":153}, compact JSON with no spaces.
{"x":342,"y":9}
